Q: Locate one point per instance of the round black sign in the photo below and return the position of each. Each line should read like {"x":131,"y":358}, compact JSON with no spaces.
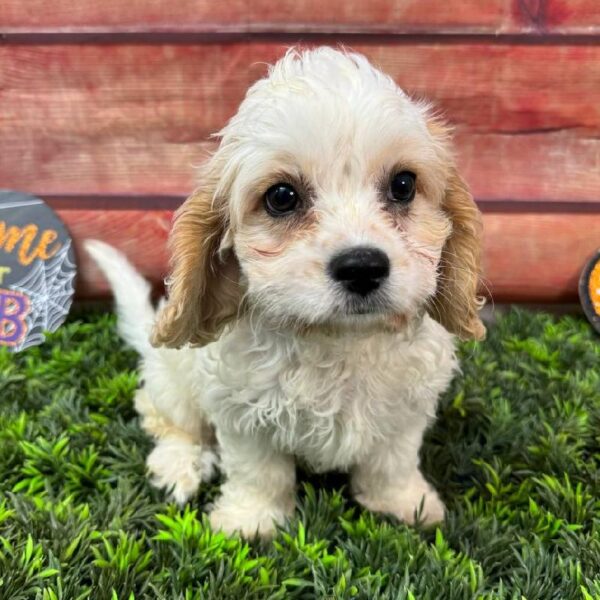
{"x":37,"y":270}
{"x":589,"y":290}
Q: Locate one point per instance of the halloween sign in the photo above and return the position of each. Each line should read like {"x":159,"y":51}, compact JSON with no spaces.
{"x":589,"y":290}
{"x":37,"y":270}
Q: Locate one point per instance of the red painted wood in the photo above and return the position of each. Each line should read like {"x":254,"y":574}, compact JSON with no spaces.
{"x":302,"y":16}
{"x":133,"y":119}
{"x":527,"y":257}
{"x":554,"y":166}
{"x":573,"y":16}
{"x":537,"y":257}
{"x":491,"y":16}
{"x":544,"y":167}
{"x":141,"y":235}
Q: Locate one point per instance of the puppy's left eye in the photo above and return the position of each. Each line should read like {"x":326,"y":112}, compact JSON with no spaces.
{"x":281,"y":199}
{"x":403,"y":187}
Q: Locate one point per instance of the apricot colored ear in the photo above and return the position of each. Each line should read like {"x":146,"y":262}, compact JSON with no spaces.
{"x":456,"y":303}
{"x":203,"y":287}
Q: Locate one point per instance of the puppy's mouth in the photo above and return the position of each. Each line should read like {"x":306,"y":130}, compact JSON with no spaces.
{"x":373,"y":304}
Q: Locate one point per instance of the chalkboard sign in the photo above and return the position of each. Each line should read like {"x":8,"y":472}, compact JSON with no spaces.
{"x":589,"y":290}
{"x":37,"y":270}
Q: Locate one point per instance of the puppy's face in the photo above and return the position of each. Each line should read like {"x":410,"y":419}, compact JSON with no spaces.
{"x":335,"y":195}
{"x":337,"y":217}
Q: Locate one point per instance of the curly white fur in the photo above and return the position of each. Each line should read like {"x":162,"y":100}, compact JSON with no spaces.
{"x":295,"y":374}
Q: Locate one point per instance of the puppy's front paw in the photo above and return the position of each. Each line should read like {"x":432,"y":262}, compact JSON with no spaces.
{"x":179,"y":465}
{"x":404,"y":502}
{"x":251,"y":516}
{"x":408,"y":506}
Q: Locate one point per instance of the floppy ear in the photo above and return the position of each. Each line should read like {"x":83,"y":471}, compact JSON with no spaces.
{"x":203,"y":287}
{"x":456,"y":304}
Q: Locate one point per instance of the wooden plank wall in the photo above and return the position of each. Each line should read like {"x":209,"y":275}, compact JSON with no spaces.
{"x":106,"y":106}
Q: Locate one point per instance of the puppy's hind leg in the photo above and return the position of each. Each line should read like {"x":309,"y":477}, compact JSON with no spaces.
{"x":183,"y":457}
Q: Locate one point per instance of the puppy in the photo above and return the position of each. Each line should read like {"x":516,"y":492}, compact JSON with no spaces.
{"x":320,"y":274}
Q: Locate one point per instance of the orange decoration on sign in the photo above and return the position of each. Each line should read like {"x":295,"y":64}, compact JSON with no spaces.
{"x":23,"y":239}
{"x":594,"y":287}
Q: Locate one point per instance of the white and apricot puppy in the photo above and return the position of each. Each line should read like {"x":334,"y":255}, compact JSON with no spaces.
{"x":319,"y":276}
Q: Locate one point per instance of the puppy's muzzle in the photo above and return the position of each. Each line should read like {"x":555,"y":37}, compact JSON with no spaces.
{"x":360,"y":270}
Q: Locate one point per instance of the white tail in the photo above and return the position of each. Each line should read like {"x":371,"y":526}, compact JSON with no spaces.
{"x":132,"y":294}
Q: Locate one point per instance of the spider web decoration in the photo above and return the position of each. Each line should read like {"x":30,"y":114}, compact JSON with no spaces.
{"x":49,"y":285}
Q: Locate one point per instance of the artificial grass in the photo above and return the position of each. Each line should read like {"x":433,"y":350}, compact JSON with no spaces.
{"x":515,"y":453}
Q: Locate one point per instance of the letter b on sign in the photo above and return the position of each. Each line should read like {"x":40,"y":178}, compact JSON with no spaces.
{"x":14,"y":308}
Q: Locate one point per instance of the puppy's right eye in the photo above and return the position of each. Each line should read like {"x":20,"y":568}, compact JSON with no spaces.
{"x":402,"y":188}
{"x":281,"y":199}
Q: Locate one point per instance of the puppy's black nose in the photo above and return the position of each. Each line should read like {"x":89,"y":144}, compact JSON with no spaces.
{"x":361,"y":269}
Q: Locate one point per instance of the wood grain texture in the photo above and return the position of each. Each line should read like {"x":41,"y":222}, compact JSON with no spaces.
{"x":553,"y":167}
{"x":527,"y":257}
{"x":572,"y":16}
{"x":134,"y":119}
{"x":491,"y":16}
{"x":140,"y":234}
{"x":302,"y":16}
{"x":537,"y":257}
{"x":541,"y":167}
